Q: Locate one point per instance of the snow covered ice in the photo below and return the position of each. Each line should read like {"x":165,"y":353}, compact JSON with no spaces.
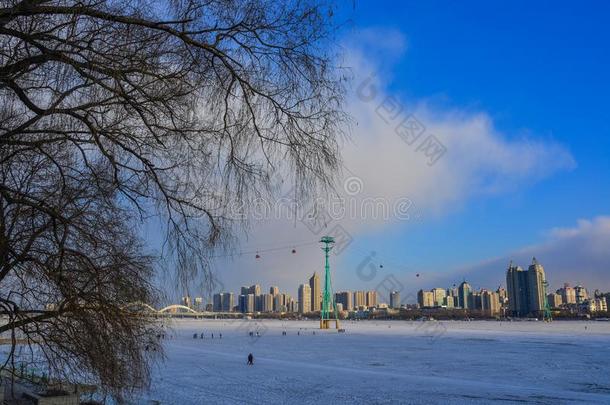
{"x":389,"y":362}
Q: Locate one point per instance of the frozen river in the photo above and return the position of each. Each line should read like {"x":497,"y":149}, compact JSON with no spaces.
{"x":385,"y":363}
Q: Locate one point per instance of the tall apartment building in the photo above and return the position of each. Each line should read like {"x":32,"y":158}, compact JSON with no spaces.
{"x":280,"y":302}
{"x":581,"y":294}
{"x":439,"y":296}
{"x":490,"y":303}
{"x":555,"y":300}
{"x":518,"y":292}
{"x":246,"y":303}
{"x":267,"y":303}
{"x":395,"y":300}
{"x":346,"y":299}
{"x":304,"y":299}
{"x":425,"y":299}
{"x":273,"y":290}
{"x":536,"y":279}
{"x":227,"y":301}
{"x":464,"y":292}
{"x":217,"y":302}
{"x":371,"y":299}
{"x":359,"y":299}
{"x":475,"y":301}
{"x":568,"y":294}
{"x":316,"y":293}
{"x":255,"y":290}
{"x":526,"y":289}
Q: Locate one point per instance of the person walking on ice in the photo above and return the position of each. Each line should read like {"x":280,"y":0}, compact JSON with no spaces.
{"x":250,"y":359}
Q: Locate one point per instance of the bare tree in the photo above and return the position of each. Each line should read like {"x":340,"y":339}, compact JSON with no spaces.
{"x":116,"y":112}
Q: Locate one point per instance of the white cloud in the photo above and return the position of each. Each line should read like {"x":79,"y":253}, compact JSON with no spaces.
{"x":479,"y":161}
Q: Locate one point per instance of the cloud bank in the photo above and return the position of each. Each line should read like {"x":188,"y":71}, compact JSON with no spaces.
{"x":477,"y":161}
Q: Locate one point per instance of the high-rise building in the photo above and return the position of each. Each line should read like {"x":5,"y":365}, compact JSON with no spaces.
{"x":244,"y":290}
{"x":371,"y":299}
{"x":267,"y":303}
{"x":535,"y":284}
{"x":273,"y":290}
{"x":425,"y":299}
{"x":246,"y":303}
{"x":251,"y":307}
{"x":186,"y":301}
{"x":227,"y":301}
{"x":490,"y":303}
{"x":464,"y":291}
{"x":581,"y":294}
{"x":217,"y":302}
{"x":449,"y":301}
{"x":518,"y":291}
{"x":304,"y":299}
{"x":555,"y":300}
{"x":242,"y":302}
{"x":316,"y":293}
{"x":292,"y":305}
{"x":526,"y":289}
{"x":345,"y":298}
{"x":568,"y":294}
{"x":277,"y":303}
{"x":475,"y":302}
{"x":280,"y":302}
{"x":359,"y":299}
{"x":255,"y":290}
{"x":439,"y":296}
{"x":395,"y":300}
{"x":601,"y":304}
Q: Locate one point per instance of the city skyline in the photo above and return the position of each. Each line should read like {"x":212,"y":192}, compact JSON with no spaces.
{"x":526,"y":293}
{"x":554,"y":284}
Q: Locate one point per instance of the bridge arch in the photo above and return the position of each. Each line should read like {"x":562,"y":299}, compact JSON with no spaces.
{"x":176,"y":306}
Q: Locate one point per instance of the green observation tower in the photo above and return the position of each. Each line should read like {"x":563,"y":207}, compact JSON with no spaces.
{"x":329,"y":308}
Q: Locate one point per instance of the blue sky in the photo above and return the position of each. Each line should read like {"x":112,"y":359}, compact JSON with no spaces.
{"x":536,"y":68}
{"x":518,"y":91}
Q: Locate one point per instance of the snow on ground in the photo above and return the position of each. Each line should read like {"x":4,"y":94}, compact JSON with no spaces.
{"x":391,"y":362}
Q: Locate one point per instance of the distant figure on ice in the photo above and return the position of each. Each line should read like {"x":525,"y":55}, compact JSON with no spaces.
{"x":250,"y":359}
